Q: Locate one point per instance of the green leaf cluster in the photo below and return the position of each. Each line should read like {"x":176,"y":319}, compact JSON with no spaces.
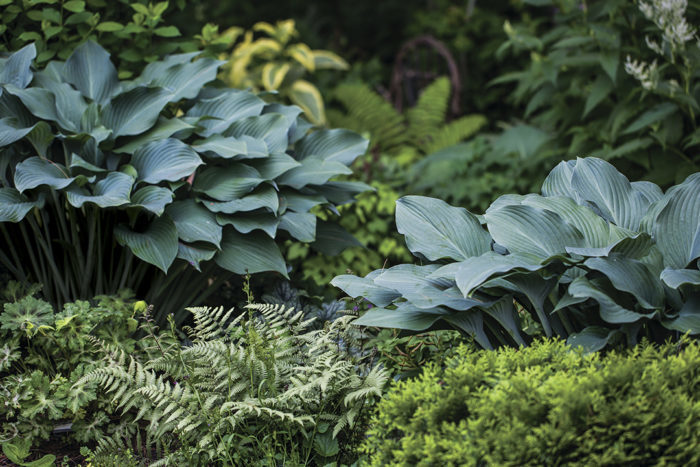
{"x":162,"y":166}
{"x":595,"y":259}
{"x":544,"y":405}
{"x":260,"y":388}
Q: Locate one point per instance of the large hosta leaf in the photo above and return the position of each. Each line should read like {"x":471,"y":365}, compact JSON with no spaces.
{"x":9,"y":133}
{"x":275,"y":165}
{"x":365,"y":287}
{"x":226,"y":108}
{"x":194,"y":222}
{"x":152,"y":198}
{"x":265,"y":197}
{"x":592,"y":339}
{"x":250,"y":221}
{"x":300,"y":225}
{"x":70,"y":104}
{"x":164,"y":128}
{"x":227,"y":183}
{"x":334,"y":145}
{"x":688,"y":319}
{"x":635,"y":247}
{"x":168,"y":159}
{"x":134,"y":111}
{"x":631,"y":275}
{"x":271,"y":128}
{"x":405,"y":317}
{"x":474,"y":271}
{"x":40,"y":102}
{"x":157,"y":245}
{"x":35,"y":171}
{"x":437,"y":230}
{"x":17,"y":68}
{"x":226,"y":147}
{"x":91,"y":72}
{"x":313,"y":170}
{"x":675,"y":278}
{"x":14,"y":205}
{"x":113,"y":190}
{"x":194,"y":254}
{"x":610,"y":311}
{"x":183,"y":80}
{"x":677,"y":227}
{"x":250,"y":253}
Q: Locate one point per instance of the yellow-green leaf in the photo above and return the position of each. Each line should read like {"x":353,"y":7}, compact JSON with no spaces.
{"x":273,"y":74}
{"x":306,"y":96}
{"x":302,"y":54}
{"x":167,"y":31}
{"x":325,"y":59}
{"x":109,"y":26}
{"x":75,"y":6}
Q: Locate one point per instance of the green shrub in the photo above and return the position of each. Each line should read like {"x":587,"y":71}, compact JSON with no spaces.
{"x":260,"y":388}
{"x":544,"y":405}
{"x":108,"y":184}
{"x":595,"y":258}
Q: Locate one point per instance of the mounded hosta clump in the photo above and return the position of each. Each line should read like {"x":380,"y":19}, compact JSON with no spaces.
{"x":595,"y":259}
{"x":171,"y":170}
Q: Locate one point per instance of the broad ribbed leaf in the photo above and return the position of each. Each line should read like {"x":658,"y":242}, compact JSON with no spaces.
{"x":14,"y":205}
{"x":341,"y":192}
{"x":77,"y":162}
{"x":250,"y":221}
{"x":592,"y":338}
{"x":17,"y":68}
{"x":275,"y":165}
{"x":265,"y":197}
{"x":437,"y":230}
{"x":194,"y":222}
{"x":227,"y":183}
{"x":473,"y":272}
{"x":609,"y":310}
{"x":688,"y":319}
{"x":183,"y":80}
{"x":271,"y":128}
{"x":9,"y":133}
{"x":152,"y":198}
{"x":404,"y":317}
{"x":675,"y":278}
{"x":168,"y":159}
{"x":41,"y":138}
{"x":635,"y":247}
{"x":365,"y":287}
{"x":35,"y":171}
{"x":157,"y":245}
{"x":312,"y":171}
{"x":250,"y":253}
{"x":135,"y":111}
{"x":503,"y":311}
{"x":226,"y":108}
{"x":300,"y":225}
{"x":91,"y":72}
{"x":70,"y":104}
{"x":299,"y":202}
{"x":650,"y":191}
{"x":40,"y":102}
{"x":307,"y":96}
{"x":226,"y":147}
{"x":195,"y":255}
{"x":113,"y":190}
{"x":332,"y":239}
{"x":536,"y":289}
{"x":677,"y":227}
{"x":531,"y":231}
{"x":471,"y":322}
{"x":164,"y":128}
{"x":333,"y":145}
{"x":599,"y":183}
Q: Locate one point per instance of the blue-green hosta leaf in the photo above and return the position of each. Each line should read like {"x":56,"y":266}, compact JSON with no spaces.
{"x":226,"y":147}
{"x":677,"y":226}
{"x":250,"y":253}
{"x":536,"y":289}
{"x":437,"y":230}
{"x":609,"y":310}
{"x":688,"y":319}
{"x":339,"y":145}
{"x":504,"y":312}
{"x":78,"y":162}
{"x":635,"y":247}
{"x":70,"y":104}
{"x":675,"y":278}
{"x":332,"y":239}
{"x":194,"y":254}
{"x":300,"y":225}
{"x":592,"y":338}
{"x":365,"y":287}
{"x":531,"y":231}
{"x":14,"y":205}
{"x":194,"y":222}
{"x":155,"y":69}
{"x":41,"y":138}
{"x":265,"y":197}
{"x":35,"y":171}
{"x":474,"y":271}
{"x":600,"y":184}
{"x":17,"y":68}
{"x":650,"y":191}
{"x":91,"y":72}
{"x":158,"y":245}
{"x":9,"y":133}
{"x":341,"y":192}
{"x":250,"y":221}
{"x":183,"y":80}
{"x":113,"y":190}
{"x":631,"y":275}
{"x":134,"y":111}
{"x":299,"y":202}
{"x":271,"y":128}
{"x":471,"y":322}
{"x":152,"y":198}
{"x":226,"y":108}
{"x":274,"y":165}
{"x":313,"y":171}
{"x":227,"y":183}
{"x":40,"y":102}
{"x":168,"y":159}
{"x":164,"y":128}
{"x":404,"y":317}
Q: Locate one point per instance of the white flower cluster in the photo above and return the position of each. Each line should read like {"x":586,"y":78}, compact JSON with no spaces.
{"x":646,"y":74}
{"x":669,"y":17}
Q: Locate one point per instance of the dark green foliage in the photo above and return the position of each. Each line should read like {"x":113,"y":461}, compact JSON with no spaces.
{"x":545,"y":405}
{"x":107,"y":184}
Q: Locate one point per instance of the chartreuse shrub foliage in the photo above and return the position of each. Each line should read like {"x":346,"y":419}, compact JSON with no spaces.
{"x":260,"y":388}
{"x":595,"y":259}
{"x":108,"y":184}
{"x":544,"y":405}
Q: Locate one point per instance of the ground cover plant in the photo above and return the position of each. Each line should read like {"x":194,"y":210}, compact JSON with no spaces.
{"x":594,"y":259}
{"x":184,"y":178}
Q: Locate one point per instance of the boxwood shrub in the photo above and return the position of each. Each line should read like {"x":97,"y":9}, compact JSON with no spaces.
{"x":545,"y":405}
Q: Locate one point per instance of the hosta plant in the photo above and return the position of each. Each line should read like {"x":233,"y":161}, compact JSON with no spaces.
{"x":594,"y":258}
{"x":107,"y":184}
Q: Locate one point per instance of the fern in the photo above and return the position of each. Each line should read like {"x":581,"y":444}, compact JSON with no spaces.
{"x":265,"y":373}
